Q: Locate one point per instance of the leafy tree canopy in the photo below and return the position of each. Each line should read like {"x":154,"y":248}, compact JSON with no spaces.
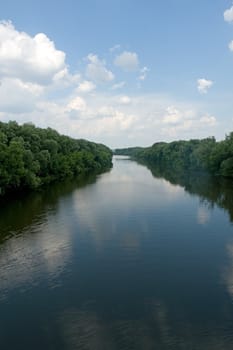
{"x":31,"y":156}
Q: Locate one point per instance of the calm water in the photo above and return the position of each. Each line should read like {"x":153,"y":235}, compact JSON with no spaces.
{"x":127,"y":260}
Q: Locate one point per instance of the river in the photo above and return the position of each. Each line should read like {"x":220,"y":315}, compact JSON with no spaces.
{"x":123,"y":260}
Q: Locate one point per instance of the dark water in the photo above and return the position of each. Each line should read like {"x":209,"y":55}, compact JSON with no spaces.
{"x":127,"y":260}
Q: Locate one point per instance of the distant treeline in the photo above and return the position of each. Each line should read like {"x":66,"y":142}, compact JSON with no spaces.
{"x":31,"y":156}
{"x":200,"y":155}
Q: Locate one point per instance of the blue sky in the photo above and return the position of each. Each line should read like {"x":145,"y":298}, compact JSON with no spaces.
{"x":119,"y":72}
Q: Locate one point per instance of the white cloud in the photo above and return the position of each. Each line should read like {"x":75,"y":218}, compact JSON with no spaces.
{"x":203,"y":85}
{"x":64,"y":79}
{"x":184,"y":119}
{"x":116,"y":122}
{"x":143,"y":73}
{"x":31,"y":59}
{"x":118,"y":85}
{"x":17,"y":96}
{"x":128,"y":61}
{"x":228,"y":15}
{"x":125,"y":100}
{"x":145,"y":120}
{"x":231,"y":45}
{"x":172,"y":116}
{"x":86,"y":86}
{"x":208,"y":120}
{"x":115,"y":48}
{"x":97,"y":71}
{"x":187,"y":122}
{"x":77,"y":104}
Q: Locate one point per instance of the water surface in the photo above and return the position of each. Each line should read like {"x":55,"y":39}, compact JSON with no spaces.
{"x":124,"y":260}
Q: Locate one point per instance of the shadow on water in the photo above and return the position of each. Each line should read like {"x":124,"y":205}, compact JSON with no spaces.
{"x":31,"y":207}
{"x":211,"y":190}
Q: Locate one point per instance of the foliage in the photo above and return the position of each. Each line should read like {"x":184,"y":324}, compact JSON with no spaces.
{"x":31,"y":156}
{"x":207,"y":155}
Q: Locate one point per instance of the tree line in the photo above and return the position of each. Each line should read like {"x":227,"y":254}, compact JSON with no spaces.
{"x":207,"y":155}
{"x":32,"y":156}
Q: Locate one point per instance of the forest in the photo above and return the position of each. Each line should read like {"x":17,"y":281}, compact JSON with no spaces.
{"x":31,"y":157}
{"x":207,"y":155}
